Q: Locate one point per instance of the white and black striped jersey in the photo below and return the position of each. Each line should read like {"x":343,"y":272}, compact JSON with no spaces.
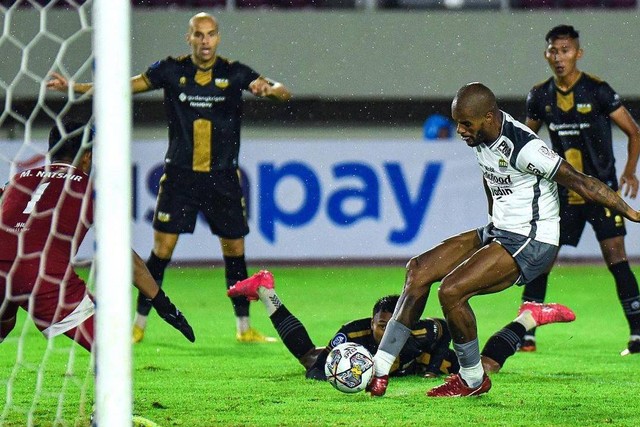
{"x":518,"y":169}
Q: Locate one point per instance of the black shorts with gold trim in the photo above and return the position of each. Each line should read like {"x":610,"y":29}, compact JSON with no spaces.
{"x":217,"y":195}
{"x":605,"y":222}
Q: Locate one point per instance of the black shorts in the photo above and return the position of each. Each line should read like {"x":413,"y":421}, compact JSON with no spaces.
{"x":217,"y":194}
{"x":532,"y":257}
{"x":606,"y":223}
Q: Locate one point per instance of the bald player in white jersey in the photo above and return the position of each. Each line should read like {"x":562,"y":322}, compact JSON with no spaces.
{"x":520,"y":242}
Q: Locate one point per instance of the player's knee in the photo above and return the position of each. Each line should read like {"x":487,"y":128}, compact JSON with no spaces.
{"x":164,"y":244}
{"x":450,"y":292}
{"x":163,"y":251}
{"x":418,"y":280}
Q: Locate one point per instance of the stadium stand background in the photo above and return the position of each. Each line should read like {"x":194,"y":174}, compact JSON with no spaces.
{"x":351,"y":67}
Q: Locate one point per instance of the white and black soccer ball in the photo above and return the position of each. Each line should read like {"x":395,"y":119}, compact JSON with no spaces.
{"x":349,"y":367}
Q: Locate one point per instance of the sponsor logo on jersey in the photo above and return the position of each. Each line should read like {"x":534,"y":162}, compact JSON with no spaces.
{"x":505,"y":149}
{"x":496,"y":179}
{"x":200,"y":101}
{"x":531,"y":167}
{"x":338,"y":339}
{"x":584,"y":108}
{"x":500,"y":191}
{"x":502,"y":165}
{"x":163,"y":216}
{"x":222,"y":83}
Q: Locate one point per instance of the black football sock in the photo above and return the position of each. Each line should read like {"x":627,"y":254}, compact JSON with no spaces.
{"x":504,"y":343}
{"x":235,"y":269}
{"x":156,"y":267}
{"x":292,"y":332}
{"x":535,"y":291}
{"x":628,"y":294}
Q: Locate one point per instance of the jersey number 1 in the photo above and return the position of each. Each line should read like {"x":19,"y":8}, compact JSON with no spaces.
{"x":35,"y":197}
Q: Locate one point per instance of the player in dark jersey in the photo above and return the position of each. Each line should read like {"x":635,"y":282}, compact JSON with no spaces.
{"x":203,"y":101}
{"x":44,"y":216}
{"x":426,"y":351}
{"x":578,"y":109}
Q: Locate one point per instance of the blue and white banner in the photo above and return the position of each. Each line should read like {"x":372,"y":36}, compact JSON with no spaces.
{"x":331,"y":199}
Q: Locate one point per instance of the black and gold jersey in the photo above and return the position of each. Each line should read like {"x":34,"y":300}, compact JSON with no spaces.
{"x":204,"y":110}
{"x":426,"y":349}
{"x":579,"y":124}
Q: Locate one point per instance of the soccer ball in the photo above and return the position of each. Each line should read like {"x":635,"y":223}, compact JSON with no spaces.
{"x":349,"y":367}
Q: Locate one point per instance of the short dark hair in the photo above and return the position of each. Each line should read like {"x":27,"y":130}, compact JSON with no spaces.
{"x":67,"y":146}
{"x":562,"y":31}
{"x":386,"y":304}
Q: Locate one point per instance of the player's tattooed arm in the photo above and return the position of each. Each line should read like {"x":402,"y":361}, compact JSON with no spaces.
{"x":594,"y":190}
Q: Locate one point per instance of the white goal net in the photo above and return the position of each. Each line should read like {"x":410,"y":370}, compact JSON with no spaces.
{"x":52,"y":382}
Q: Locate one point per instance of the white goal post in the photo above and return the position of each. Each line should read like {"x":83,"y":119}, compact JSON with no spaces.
{"x":41,"y":382}
{"x":112,"y":110}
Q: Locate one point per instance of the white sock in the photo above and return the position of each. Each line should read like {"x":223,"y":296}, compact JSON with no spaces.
{"x":140,"y":321}
{"x":526,"y":319}
{"x":382,"y":362}
{"x":269,"y":299}
{"x":473,"y":375}
{"x":242,"y":324}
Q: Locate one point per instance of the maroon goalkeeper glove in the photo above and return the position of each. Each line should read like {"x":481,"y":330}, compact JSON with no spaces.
{"x":172,"y":315}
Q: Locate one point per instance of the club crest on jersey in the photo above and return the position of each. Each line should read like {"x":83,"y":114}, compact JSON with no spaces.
{"x":547,"y":153}
{"x":222,"y":83}
{"x":583,"y":108}
{"x":182,"y":81}
{"x":340,"y":338}
{"x":164,"y":217}
{"x":505,"y":149}
{"x":503,"y":165}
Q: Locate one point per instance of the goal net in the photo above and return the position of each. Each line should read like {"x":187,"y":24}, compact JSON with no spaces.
{"x":55,"y":381}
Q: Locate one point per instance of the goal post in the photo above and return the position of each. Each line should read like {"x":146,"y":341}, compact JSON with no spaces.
{"x":112,"y":111}
{"x":52,"y":382}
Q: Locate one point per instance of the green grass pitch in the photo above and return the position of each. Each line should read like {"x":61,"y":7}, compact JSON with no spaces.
{"x":576,"y":378}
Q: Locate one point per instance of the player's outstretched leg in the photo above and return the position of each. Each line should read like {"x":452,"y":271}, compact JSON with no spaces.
{"x":546,"y":313}
{"x":454,"y":386}
{"x":249,"y":288}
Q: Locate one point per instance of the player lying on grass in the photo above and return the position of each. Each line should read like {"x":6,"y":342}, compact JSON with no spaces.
{"x":45,"y":213}
{"x":427,"y":351}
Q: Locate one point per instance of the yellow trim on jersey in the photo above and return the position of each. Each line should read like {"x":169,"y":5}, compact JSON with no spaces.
{"x":565,"y":102}
{"x":202,"y":131}
{"x":359,"y":334}
{"x":574,"y":158}
{"x":203,"y":78}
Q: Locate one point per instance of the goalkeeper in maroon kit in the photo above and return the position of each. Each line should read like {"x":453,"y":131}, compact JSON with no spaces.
{"x":45,"y":213}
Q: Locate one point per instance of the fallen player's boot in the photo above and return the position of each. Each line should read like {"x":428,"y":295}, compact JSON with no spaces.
{"x":249,"y":287}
